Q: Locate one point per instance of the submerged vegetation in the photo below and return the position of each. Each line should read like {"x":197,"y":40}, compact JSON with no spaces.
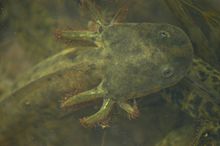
{"x":202,"y":23}
{"x":32,"y":25}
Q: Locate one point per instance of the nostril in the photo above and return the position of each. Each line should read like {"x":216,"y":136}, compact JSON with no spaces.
{"x":167,"y":72}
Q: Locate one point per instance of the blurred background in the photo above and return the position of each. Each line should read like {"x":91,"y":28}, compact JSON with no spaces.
{"x":27,"y":36}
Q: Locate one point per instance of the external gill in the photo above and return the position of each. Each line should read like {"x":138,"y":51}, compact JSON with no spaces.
{"x":99,"y":16}
{"x":92,"y":37}
{"x":95,"y":13}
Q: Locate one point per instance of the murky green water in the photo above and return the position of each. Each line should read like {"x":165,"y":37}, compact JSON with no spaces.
{"x":28,"y":35}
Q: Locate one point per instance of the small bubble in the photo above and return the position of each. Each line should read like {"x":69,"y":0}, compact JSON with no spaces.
{"x":27,"y":103}
{"x":206,"y":134}
{"x":164,"y":34}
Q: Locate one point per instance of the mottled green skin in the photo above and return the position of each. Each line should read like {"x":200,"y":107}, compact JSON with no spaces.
{"x":207,"y":76}
{"x":68,"y":58}
{"x":132,"y":60}
{"x":139,"y":55}
{"x":202,"y":97}
{"x":183,"y":136}
{"x":135,"y":50}
{"x":199,"y":96}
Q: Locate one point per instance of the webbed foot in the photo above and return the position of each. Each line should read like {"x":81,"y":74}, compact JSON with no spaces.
{"x":100,"y":117}
{"x":132,"y":111}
